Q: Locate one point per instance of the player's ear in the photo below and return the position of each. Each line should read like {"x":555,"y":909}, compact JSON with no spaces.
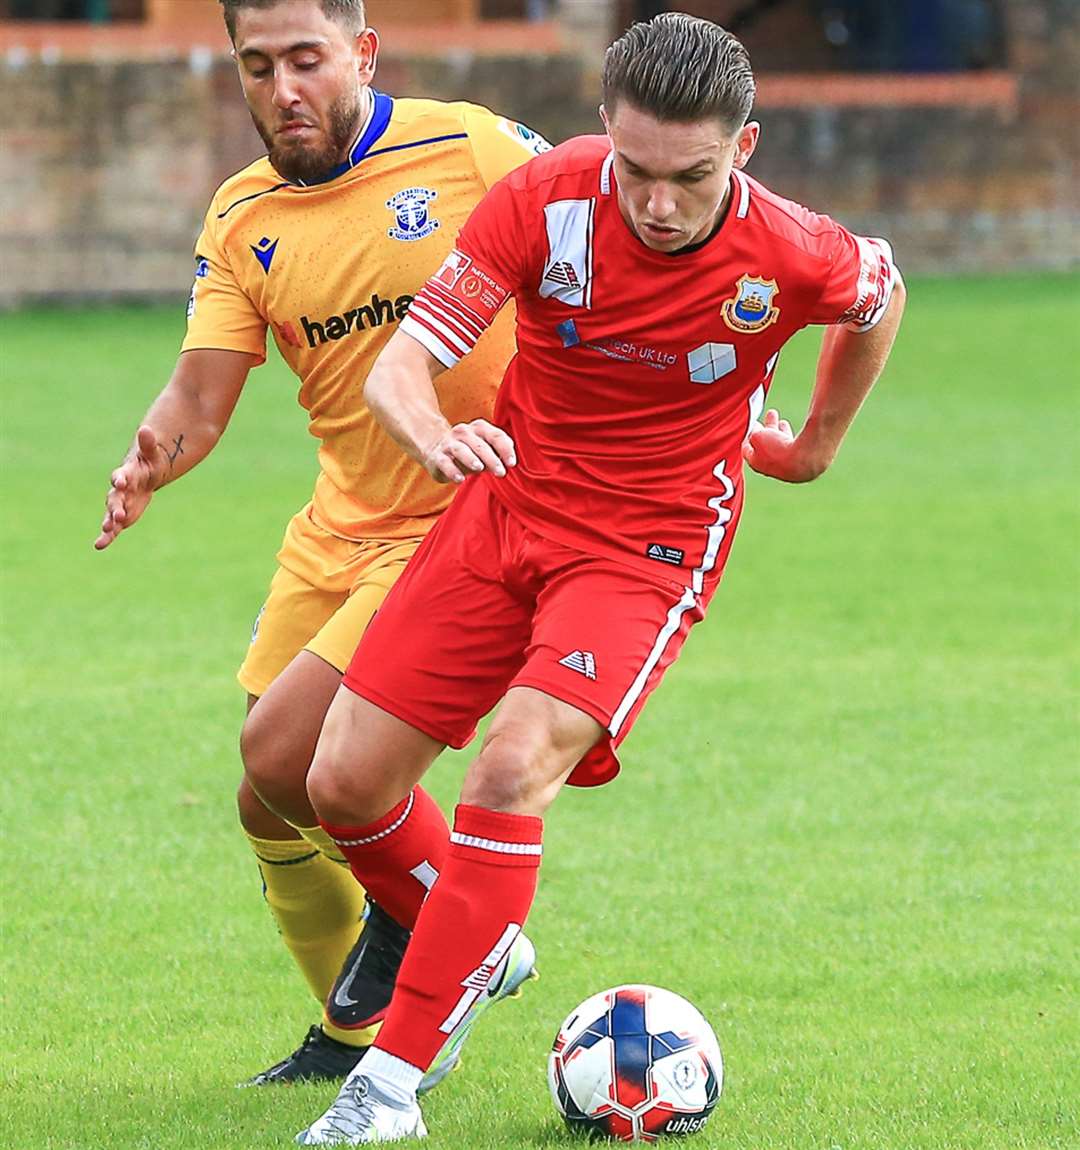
{"x":745,"y":142}
{"x":366,"y":53}
{"x":604,"y":118}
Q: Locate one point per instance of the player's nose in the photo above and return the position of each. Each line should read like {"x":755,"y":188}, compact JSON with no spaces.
{"x":661,"y":205}
{"x":285,"y":91}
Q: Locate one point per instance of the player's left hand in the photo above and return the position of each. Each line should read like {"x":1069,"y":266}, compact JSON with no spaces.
{"x":773,"y":449}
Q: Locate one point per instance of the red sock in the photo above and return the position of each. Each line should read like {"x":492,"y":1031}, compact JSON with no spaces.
{"x":485,"y":889}
{"x":397,"y":858}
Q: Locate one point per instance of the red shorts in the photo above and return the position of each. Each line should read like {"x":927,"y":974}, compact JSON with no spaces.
{"x":486,"y":604}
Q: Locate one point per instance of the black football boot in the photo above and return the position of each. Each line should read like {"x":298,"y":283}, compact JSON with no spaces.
{"x":359,"y":998}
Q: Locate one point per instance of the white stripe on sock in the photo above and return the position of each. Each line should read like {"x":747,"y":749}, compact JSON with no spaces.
{"x":494,"y":845}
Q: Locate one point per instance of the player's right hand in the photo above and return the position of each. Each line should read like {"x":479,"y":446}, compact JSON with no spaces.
{"x":131,"y":486}
{"x":469,"y":448}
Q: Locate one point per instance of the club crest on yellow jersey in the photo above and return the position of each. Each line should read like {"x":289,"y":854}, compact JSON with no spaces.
{"x":751,"y":308}
{"x":413,"y":221}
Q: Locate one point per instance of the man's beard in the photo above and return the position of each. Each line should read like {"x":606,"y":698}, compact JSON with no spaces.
{"x":305,"y":163}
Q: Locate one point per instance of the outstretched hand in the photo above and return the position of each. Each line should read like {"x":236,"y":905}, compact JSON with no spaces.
{"x":131,"y":486}
{"x":469,"y":448}
{"x":773,"y":449}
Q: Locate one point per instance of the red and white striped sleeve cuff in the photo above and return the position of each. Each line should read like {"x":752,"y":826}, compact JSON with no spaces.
{"x":454,"y":308}
{"x":445,"y":328}
{"x":877,"y":278}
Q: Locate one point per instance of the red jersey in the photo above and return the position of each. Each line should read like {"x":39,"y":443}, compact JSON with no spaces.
{"x":638,"y":373}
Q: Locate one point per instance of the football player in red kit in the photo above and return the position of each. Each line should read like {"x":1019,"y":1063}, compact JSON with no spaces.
{"x":656,"y":284}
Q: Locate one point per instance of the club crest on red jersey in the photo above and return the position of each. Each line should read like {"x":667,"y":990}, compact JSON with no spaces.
{"x":751,"y":308}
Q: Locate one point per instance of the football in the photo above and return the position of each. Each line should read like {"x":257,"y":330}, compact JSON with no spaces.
{"x":635,"y":1063}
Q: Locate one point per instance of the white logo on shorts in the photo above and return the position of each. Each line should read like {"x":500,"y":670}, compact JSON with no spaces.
{"x":584,"y":662}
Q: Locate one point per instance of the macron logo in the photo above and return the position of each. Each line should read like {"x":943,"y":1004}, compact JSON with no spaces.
{"x":584,"y":662}
{"x":263,"y":251}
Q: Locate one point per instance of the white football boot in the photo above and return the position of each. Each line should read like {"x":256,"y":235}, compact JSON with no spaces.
{"x":362,"y":1114}
{"x":517,"y":967}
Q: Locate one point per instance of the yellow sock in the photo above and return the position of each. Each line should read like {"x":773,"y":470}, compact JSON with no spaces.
{"x":316,"y":902}
{"x":319,"y":838}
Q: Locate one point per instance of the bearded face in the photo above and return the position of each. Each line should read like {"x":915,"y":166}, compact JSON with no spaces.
{"x":305,"y":78}
{"x":303,"y":151}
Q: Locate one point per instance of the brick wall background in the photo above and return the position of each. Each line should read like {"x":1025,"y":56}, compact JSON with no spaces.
{"x":106,"y":166}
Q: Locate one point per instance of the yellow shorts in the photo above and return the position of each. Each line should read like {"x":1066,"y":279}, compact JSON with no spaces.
{"x":321,"y":599}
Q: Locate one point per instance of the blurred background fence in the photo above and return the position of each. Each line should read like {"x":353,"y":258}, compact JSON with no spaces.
{"x":950,"y":126}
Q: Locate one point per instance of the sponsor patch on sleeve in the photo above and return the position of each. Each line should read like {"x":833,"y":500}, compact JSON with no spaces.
{"x":469,"y":285}
{"x":875,"y":283}
{"x":453,"y":268}
{"x":202,"y":270}
{"x":531,"y":141}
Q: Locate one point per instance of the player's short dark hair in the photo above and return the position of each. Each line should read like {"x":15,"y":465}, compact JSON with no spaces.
{"x":349,"y":13}
{"x":682,"y":69}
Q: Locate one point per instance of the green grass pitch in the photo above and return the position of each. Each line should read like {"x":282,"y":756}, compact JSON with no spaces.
{"x":846,"y":827}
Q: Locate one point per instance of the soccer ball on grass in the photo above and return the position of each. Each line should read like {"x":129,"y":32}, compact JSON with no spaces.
{"x":635,"y":1063}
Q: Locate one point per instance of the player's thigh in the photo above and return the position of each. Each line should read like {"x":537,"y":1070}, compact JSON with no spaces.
{"x":602,"y":638}
{"x":366,"y":761}
{"x":533,"y":743}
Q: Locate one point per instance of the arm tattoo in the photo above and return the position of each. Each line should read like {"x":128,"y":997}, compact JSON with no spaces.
{"x":179,"y":450}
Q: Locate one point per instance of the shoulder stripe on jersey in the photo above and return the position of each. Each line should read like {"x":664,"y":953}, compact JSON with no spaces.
{"x":417,"y":144}
{"x":253,"y":196}
{"x":744,"y":197}
{"x":378,"y":152}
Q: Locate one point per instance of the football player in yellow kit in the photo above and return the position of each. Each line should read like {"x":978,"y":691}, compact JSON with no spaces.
{"x":323,"y":243}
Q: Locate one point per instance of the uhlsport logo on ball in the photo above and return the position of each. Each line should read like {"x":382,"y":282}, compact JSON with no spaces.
{"x":635,"y":1063}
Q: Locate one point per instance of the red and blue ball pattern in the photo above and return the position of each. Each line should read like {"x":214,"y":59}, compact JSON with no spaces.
{"x":635,"y":1063}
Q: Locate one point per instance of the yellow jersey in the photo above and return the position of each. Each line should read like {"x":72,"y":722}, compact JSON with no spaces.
{"x":330,"y":270}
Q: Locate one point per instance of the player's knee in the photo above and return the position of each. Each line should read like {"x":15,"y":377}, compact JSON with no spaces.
{"x":510,"y":774}
{"x":350,"y":788}
{"x":255,"y":817}
{"x":339,"y":788}
{"x":266,"y":762}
